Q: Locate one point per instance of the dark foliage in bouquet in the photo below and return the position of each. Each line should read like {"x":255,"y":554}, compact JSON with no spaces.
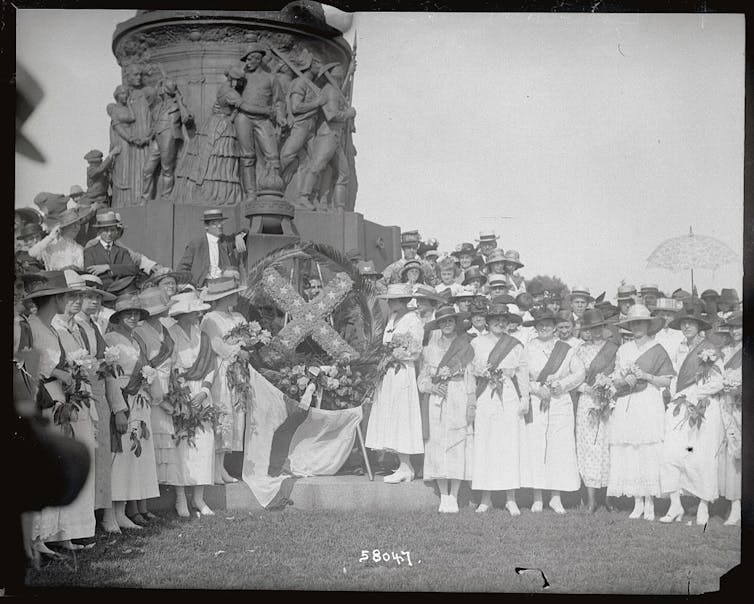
{"x":187,"y":418}
{"x":77,"y":396}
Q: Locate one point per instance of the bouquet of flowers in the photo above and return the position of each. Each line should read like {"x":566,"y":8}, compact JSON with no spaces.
{"x":137,"y":431}
{"x":250,"y":336}
{"x":694,"y":413}
{"x":495,"y":377}
{"x":187,"y":419}
{"x":732,"y":386}
{"x":403,"y":347}
{"x":603,"y":400}
{"x":77,"y":394}
{"x":109,"y":365}
{"x":707,"y":359}
{"x":445,"y":374}
{"x":143,"y":396}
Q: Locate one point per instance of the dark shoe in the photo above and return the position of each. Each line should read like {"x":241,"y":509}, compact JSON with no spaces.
{"x":138,"y":519}
{"x":608,"y":506}
{"x":591,"y":507}
{"x":150,"y":517}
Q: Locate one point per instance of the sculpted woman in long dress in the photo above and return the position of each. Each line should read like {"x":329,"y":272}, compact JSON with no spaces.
{"x":130,"y":159}
{"x":501,"y":404}
{"x":447,"y":378}
{"x":592,"y":445}
{"x":210,"y":169}
{"x":395,"y":419}
{"x":549,"y":452}
{"x":194,"y":361}
{"x":642,"y":370}
{"x":691,"y":449}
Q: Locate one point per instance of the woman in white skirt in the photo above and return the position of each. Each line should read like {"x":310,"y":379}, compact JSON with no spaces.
{"x":691,"y":449}
{"x":549,"y":451}
{"x":730,"y":456}
{"x":395,"y":419}
{"x":447,"y":378}
{"x":194,"y":361}
{"x":642,"y":370}
{"x":501,"y":404}
{"x":592,"y":448}
{"x":134,"y":469}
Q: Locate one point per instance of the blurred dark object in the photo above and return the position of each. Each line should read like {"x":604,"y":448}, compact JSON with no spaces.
{"x":28,"y":96}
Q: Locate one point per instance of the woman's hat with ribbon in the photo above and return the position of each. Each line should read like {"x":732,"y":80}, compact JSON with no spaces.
{"x":228,"y":283}
{"x":592,"y":318}
{"x":398,"y":291}
{"x":445,"y":312}
{"x":639,"y":312}
{"x":125,"y":303}
{"x":545,"y":315}
{"x":689,"y":313}
{"x":425,"y":292}
{"x":52,"y":283}
{"x":499,"y":310}
{"x":154,"y":300}
{"x":409,"y":265}
{"x":464,"y":292}
{"x":474,"y":272}
{"x":465,"y":249}
{"x":513,"y":257}
{"x":496,"y":255}
{"x":187,"y":302}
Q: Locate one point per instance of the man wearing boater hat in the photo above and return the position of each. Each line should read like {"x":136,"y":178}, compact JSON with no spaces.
{"x":486,"y":243}
{"x":410,"y":245}
{"x":207,"y":256}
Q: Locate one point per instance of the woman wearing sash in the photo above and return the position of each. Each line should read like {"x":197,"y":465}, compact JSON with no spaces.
{"x":642,"y":370}
{"x":730,"y":456}
{"x":592,"y":448}
{"x":158,"y":348}
{"x":447,"y":380}
{"x":194,"y":361}
{"x":222,"y":294}
{"x":95,"y":345}
{"x":134,"y":470}
{"x":501,"y":404}
{"x":60,"y":291}
{"x":549,"y":458}
{"x":395,"y":419}
{"x":691,"y":448}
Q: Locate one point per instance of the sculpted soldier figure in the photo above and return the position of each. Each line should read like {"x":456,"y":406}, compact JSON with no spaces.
{"x":261,"y":103}
{"x":168,"y":115}
{"x":98,"y":176}
{"x":302,"y":102}
{"x":327,"y":142}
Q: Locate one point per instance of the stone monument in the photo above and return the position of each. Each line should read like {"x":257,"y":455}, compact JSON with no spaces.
{"x":211,"y":102}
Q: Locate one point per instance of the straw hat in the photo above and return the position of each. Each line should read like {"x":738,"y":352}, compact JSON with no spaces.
{"x":513,"y":257}
{"x":495,"y":280}
{"x":445,"y":312}
{"x":55,"y":282}
{"x":154,"y":300}
{"x":496,"y":255}
{"x":70,"y":216}
{"x":95,"y":285}
{"x":125,"y":303}
{"x":625,"y":293}
{"x":425,"y":292}
{"x":397,"y":291}
{"x":690,"y":314}
{"x":464,"y":292}
{"x":639,"y":312}
{"x":649,"y":288}
{"x":228,"y":283}
{"x":106,"y":219}
{"x":410,"y":239}
{"x":185,"y":303}
{"x":214,"y":214}
{"x":581,"y":291}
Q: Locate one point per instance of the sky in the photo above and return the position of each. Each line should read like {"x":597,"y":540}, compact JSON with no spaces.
{"x":583,"y":140}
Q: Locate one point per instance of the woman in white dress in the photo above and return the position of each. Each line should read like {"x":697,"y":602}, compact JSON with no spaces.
{"x":549,"y":451}
{"x":448,"y":448}
{"x":194,"y":361}
{"x":642,"y":370}
{"x":134,"y":468}
{"x":499,"y":423}
{"x":222,"y":294}
{"x":60,"y":291}
{"x":592,"y":447}
{"x":730,"y":456}
{"x":395,"y":419}
{"x":691,"y":449}
{"x":59,"y":249}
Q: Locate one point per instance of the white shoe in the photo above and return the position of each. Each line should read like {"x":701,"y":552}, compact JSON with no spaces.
{"x":443,"y":504}
{"x":399,"y":475}
{"x":512,"y":508}
{"x":673,"y":515}
{"x":452,"y":505}
{"x":638,"y":511}
{"x":702,"y":515}
{"x":482,"y":507}
{"x":536,"y":506}
{"x":557,"y":506}
{"x":649,"y":511}
{"x":734,"y":518}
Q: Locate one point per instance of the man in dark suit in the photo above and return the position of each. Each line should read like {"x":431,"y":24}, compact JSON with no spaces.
{"x":108,"y":260}
{"x":207,"y":256}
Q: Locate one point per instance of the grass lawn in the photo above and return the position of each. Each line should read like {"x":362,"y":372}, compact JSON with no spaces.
{"x":295,"y":549}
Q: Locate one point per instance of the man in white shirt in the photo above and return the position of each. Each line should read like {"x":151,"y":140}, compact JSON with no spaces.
{"x":670,"y":339}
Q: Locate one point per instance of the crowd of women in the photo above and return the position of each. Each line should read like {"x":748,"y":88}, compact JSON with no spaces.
{"x":503,"y":392}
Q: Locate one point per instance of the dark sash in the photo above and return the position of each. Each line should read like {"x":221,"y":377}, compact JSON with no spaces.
{"x":655,"y":361}
{"x":603,"y":362}
{"x":459,"y":353}
{"x":735,"y":361}
{"x":501,"y":350}
{"x":26,"y":340}
{"x":691,"y":364}
{"x":134,"y":382}
{"x":203,"y":363}
{"x":557,"y":356}
{"x":166,"y":349}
